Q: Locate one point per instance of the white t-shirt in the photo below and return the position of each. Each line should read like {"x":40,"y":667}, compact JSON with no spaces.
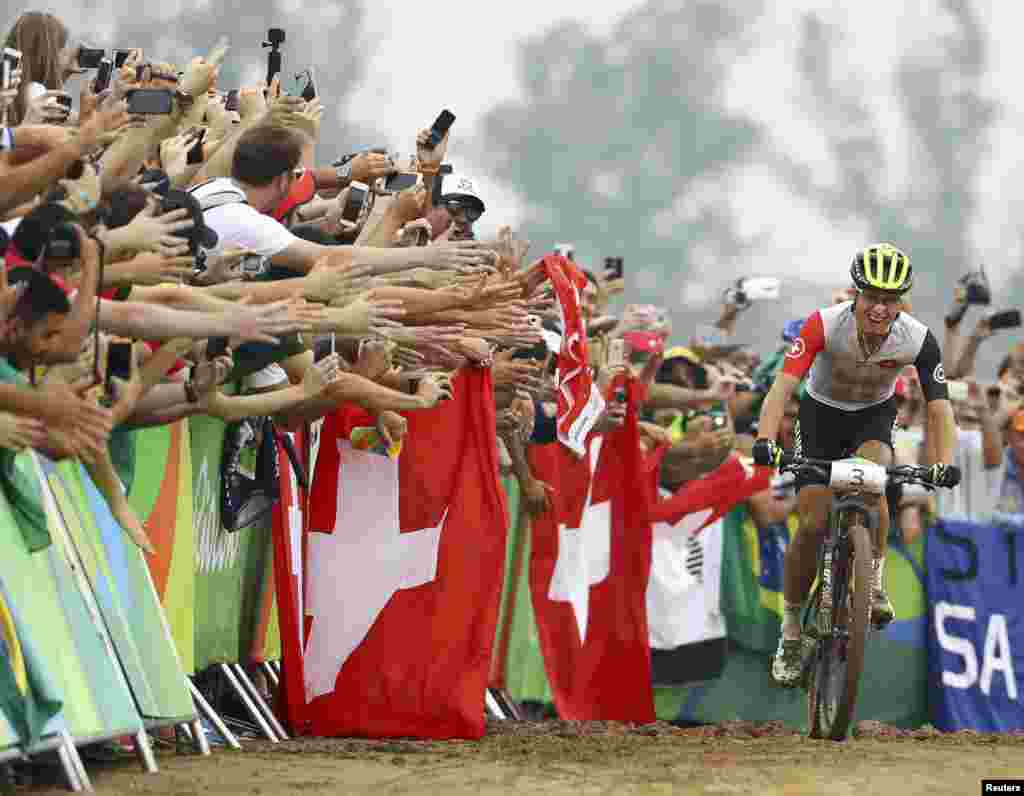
{"x":977,"y":494}
{"x":241,"y":226}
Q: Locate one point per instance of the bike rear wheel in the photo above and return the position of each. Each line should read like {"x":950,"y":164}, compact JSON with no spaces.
{"x":839,"y":658}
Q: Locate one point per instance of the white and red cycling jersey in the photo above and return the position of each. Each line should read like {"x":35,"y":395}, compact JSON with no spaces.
{"x":844,"y":378}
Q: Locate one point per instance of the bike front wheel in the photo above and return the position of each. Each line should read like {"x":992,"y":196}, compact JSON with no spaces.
{"x":839,"y":658}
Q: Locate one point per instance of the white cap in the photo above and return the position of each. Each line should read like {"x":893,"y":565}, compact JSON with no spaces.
{"x":461,"y":187}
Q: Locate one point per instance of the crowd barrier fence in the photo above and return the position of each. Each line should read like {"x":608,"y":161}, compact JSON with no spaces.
{"x":96,"y":641}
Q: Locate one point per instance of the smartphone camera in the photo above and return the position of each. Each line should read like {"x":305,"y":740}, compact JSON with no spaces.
{"x":401,"y":181}
{"x":357,"y":192}
{"x":150,"y":101}
{"x":216,"y":347}
{"x":11,"y":62}
{"x":102,"y":81}
{"x":63,"y":243}
{"x":90,"y":58}
{"x":613,"y":266}
{"x":253,"y":265}
{"x":439,"y":129}
{"x":119,"y":364}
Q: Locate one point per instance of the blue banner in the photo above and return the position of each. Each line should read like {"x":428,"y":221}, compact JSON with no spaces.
{"x":976,"y":625}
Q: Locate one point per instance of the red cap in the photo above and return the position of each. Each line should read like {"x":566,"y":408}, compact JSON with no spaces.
{"x":303,"y":189}
{"x":901,"y":387}
{"x":646,"y":342}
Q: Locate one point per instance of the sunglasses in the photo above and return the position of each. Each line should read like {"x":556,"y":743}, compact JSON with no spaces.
{"x":472,"y":212}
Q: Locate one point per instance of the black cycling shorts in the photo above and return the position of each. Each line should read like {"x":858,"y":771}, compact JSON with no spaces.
{"x":824,"y":432}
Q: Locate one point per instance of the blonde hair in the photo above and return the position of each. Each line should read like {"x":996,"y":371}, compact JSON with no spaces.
{"x":40,"y":37}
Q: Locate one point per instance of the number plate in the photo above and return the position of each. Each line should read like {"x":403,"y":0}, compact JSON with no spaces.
{"x":860,"y":475}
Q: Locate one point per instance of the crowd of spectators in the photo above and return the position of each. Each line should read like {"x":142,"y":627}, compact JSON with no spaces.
{"x":200,"y":261}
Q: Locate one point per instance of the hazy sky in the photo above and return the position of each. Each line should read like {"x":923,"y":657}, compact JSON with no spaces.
{"x":412,"y":60}
{"x":481,"y":64}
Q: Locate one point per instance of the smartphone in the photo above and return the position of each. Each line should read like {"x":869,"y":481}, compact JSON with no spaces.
{"x":616,"y":353}
{"x":401,"y":181}
{"x":119,"y":363}
{"x":120,"y":56}
{"x":252,"y":265}
{"x":90,"y":58}
{"x":309,"y":92}
{"x":102,"y":81}
{"x":440,"y":127}
{"x":150,"y":101}
{"x":63,"y":243}
{"x":356,"y":198}
{"x":1007,"y":319}
{"x":231,"y":100}
{"x":614,"y":266}
{"x":195,"y":154}
{"x":11,"y":62}
{"x":216,"y":347}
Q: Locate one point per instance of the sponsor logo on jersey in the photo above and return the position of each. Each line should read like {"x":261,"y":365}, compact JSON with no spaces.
{"x":939,"y":374}
{"x":797,"y":349}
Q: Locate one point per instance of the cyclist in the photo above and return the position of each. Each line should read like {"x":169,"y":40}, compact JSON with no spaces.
{"x":854,"y":350}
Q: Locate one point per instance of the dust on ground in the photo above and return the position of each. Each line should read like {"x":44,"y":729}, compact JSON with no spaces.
{"x":578,"y":758}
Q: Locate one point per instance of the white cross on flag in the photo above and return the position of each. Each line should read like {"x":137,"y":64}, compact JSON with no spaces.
{"x":405,"y":562}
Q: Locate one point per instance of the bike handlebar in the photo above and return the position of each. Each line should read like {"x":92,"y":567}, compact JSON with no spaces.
{"x":820,"y":471}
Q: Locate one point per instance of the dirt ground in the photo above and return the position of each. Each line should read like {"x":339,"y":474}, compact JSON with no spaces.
{"x":576,"y":758}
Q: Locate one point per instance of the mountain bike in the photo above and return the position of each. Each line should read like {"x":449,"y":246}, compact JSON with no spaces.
{"x":836,"y":619}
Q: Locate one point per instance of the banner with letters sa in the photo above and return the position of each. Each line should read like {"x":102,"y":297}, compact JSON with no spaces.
{"x":976,"y":625}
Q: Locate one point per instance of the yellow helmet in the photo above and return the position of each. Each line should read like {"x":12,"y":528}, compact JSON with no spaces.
{"x":882,"y":266}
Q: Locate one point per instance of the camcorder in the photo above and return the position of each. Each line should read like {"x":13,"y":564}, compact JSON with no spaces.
{"x":747,"y":290}
{"x":976,"y":287}
{"x":613,"y":267}
{"x":275,"y":38}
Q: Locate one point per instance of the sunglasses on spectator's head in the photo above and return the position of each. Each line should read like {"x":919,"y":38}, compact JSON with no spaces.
{"x":472,"y":212}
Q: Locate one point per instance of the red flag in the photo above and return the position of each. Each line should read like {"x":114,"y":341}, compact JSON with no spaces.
{"x":704,"y":500}
{"x":579,"y":402}
{"x":588,"y":579}
{"x":405,"y":563}
{"x":287,"y":529}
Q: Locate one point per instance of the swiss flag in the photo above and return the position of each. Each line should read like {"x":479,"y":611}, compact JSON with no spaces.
{"x":287,"y":529}
{"x":405,"y":562}
{"x":589,"y":566}
{"x":579,"y":403}
{"x":704,"y":500}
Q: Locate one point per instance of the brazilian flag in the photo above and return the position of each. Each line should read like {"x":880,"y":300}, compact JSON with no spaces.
{"x":752,"y":566}
{"x":27,"y":699}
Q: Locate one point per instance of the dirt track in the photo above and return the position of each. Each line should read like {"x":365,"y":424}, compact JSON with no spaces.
{"x":590,"y":758}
